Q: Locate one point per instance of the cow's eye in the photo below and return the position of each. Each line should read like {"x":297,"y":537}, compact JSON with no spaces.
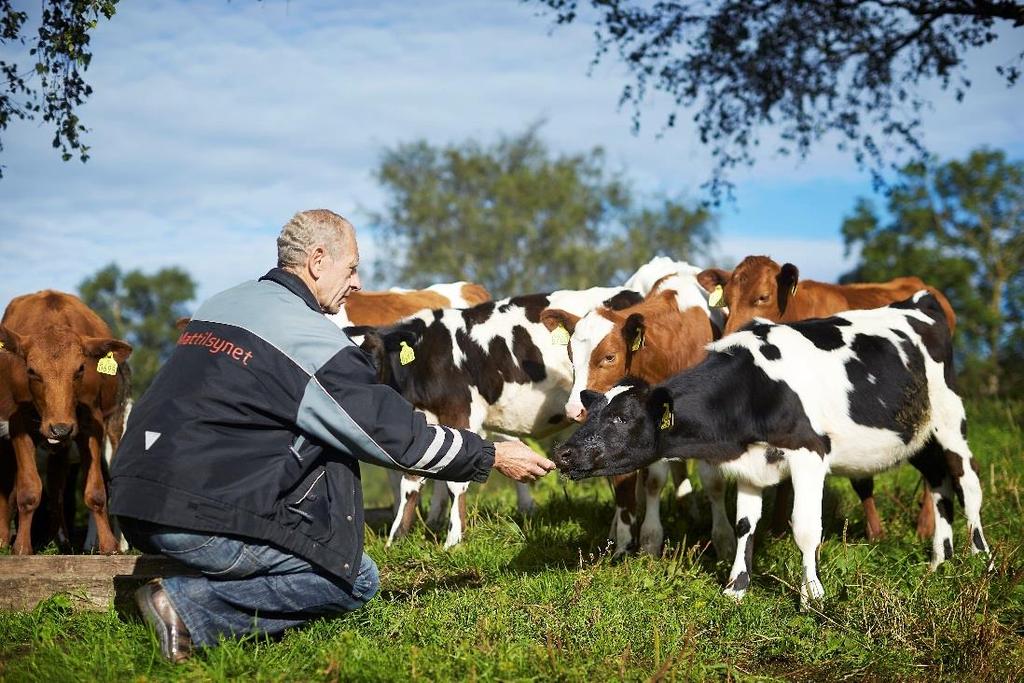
{"x":610,"y":358}
{"x":80,"y":371}
{"x":763,"y":299}
{"x":33,"y":374}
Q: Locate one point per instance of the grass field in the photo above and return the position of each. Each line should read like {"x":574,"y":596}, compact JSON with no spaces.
{"x":540,"y":599}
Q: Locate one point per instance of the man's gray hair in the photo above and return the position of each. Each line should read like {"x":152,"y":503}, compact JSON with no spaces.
{"x":308,"y":230}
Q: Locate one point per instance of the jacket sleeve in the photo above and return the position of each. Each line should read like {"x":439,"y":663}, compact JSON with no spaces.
{"x":344,"y":408}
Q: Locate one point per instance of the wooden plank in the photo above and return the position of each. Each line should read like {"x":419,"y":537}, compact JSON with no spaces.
{"x":93,"y":582}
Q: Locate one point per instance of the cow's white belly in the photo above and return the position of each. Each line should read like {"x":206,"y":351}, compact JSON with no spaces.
{"x":865,"y":451}
{"x":526,"y":409}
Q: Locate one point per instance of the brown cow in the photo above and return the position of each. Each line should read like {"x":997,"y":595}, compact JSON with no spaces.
{"x":759,"y":287}
{"x":384,"y":308}
{"x":652,"y":340}
{"x":53,"y":346}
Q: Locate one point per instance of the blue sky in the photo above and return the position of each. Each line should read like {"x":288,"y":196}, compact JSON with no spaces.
{"x":213,"y":122}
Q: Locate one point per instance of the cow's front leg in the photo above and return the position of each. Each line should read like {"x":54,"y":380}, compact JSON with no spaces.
{"x":28,"y":486}
{"x":7,"y":475}
{"x":89,"y":441}
{"x":807,"y":471}
{"x":457,"y":514}
{"x":652,"y":534}
{"x":408,"y":500}
{"x":59,"y":499}
{"x":748,"y":513}
{"x":722,"y":535}
{"x":621,"y":532}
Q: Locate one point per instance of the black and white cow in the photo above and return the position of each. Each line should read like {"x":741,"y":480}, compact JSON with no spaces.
{"x":852,"y":395}
{"x":490,"y":368}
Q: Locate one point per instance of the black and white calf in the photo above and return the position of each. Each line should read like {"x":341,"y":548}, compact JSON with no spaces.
{"x":491,"y":368}
{"x":850,"y":395}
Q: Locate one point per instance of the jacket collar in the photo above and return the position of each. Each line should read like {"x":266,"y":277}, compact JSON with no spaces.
{"x":294,"y":284}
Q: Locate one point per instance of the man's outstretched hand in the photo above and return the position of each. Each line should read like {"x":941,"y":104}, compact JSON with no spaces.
{"x":519,"y":462}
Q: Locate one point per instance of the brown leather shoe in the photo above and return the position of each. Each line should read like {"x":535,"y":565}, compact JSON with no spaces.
{"x":156,"y":609}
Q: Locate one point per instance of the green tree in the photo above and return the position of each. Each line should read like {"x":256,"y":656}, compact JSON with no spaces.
{"x":804,"y":68}
{"x":960,"y":227}
{"x":142,"y":310}
{"x":517,"y":218}
{"x":53,"y":86}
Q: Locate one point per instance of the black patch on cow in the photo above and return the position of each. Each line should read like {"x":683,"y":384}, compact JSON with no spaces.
{"x":478,"y":314}
{"x":979,"y":543}
{"x":938,"y":343}
{"x":759,"y":329}
{"x":931,"y":463}
{"x":864,"y":487}
{"x":947,"y":549}
{"x":486,"y":375}
{"x":898,"y":398}
{"x":773,"y":455}
{"x":532,"y":304}
{"x":824,"y":333}
{"x":963,"y":427}
{"x":742,"y":582}
{"x":556,"y":419}
{"x":742,"y":527}
{"x":526,"y":353}
{"x":945,"y":507}
{"x":623,"y":299}
{"x":955,"y":463}
{"x":748,"y":552}
{"x":770,"y":351}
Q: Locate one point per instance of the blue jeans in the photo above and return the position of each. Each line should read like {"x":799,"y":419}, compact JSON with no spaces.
{"x":247,"y":587}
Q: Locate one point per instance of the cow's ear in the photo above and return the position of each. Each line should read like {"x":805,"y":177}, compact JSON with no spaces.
{"x":394,"y":339}
{"x":634,"y":331}
{"x":353,"y":331}
{"x":788,"y":278}
{"x":623,"y":299}
{"x":373,"y":346}
{"x":661,"y":409}
{"x":13,"y":342}
{"x":552,"y":318}
{"x":713,"y":277}
{"x":98,"y":347}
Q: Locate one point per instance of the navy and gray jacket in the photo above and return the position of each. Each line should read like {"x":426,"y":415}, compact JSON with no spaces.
{"x":255,"y":425}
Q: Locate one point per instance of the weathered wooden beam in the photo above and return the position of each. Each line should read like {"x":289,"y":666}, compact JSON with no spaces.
{"x":94,"y":582}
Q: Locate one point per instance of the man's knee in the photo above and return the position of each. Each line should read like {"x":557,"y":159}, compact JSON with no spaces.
{"x":367,"y":582}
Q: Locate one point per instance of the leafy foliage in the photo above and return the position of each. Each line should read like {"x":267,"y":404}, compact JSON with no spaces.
{"x":142,"y":310}
{"x":960,"y":227}
{"x":518,"y":219}
{"x":809,"y":68}
{"x":54,"y":85}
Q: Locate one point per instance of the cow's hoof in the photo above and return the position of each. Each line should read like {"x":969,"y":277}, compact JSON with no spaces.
{"x":810,"y":592}
{"x":735,"y":594}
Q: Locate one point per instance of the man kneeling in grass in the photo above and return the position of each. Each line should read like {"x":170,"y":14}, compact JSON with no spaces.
{"x":242,"y":459}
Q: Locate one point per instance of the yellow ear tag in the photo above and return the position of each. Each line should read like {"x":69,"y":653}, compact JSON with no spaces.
{"x":792,"y":291}
{"x":668,"y":419}
{"x":1,"y":346}
{"x":716,"y":298}
{"x":560,"y":336}
{"x":406,"y":355}
{"x":638,"y":342}
{"x":107,"y":365}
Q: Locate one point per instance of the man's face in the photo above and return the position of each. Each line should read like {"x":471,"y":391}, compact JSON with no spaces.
{"x":337,"y":276}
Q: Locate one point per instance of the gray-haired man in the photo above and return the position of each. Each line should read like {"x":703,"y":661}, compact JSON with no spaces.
{"x":242,"y":458}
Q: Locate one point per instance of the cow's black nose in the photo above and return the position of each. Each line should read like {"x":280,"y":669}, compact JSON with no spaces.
{"x":61,"y":430}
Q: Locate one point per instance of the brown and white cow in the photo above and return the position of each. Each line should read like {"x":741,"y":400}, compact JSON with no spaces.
{"x":53,"y":346}
{"x":652,"y":340}
{"x":384,"y":308}
{"x":760,"y":288}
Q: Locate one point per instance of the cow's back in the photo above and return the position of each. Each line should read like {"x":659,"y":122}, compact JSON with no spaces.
{"x":820,"y":300}
{"x":385,"y":308}
{"x":32,"y":313}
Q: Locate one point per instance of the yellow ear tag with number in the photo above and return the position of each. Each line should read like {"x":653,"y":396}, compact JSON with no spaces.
{"x":716,"y":300}
{"x":560,"y":336}
{"x":667,"y":419}
{"x":638,"y":342}
{"x":1,"y":346}
{"x":107,"y":365}
{"x":406,"y":355}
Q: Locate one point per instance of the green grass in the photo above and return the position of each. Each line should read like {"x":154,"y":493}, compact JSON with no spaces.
{"x":539,"y":599}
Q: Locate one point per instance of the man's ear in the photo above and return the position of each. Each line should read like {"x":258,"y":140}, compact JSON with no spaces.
{"x":14,"y":342}
{"x":787,"y":280}
{"x":315,"y":262}
{"x":553,"y":317}
{"x":98,"y":347}
{"x":633,"y":332}
{"x":713,"y":277}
